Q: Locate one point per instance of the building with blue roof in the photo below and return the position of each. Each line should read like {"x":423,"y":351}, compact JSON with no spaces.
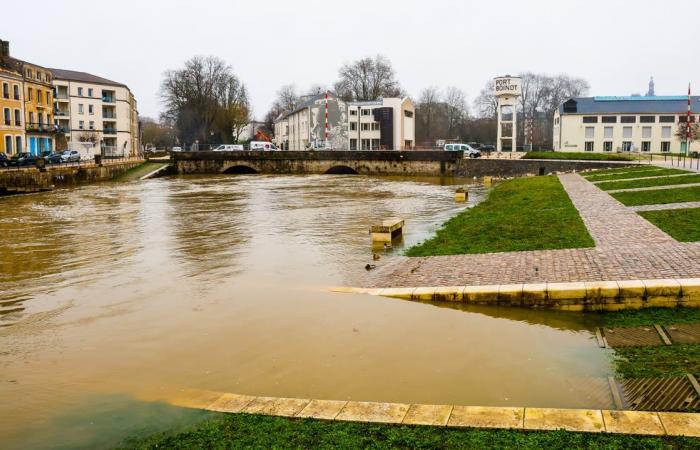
{"x":624,"y":124}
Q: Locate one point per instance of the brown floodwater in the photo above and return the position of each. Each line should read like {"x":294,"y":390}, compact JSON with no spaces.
{"x":220,"y":283}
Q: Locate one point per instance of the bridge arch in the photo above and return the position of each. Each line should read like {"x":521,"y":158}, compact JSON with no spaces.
{"x":341,"y":170}
{"x":239,"y":169}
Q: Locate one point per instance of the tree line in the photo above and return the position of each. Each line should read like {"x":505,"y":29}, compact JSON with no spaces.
{"x":205,"y":101}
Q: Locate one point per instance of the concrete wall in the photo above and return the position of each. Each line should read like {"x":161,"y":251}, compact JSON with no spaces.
{"x":33,"y":180}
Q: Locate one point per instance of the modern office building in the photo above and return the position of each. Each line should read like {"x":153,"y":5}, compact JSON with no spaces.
{"x":387,"y":123}
{"x":94,"y":110}
{"x":623,"y":124}
{"x":11,"y":102}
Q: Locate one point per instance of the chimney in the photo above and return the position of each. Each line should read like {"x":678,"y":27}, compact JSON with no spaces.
{"x":4,"y":48}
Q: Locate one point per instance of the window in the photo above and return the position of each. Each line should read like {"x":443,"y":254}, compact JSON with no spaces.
{"x":353,"y":144}
{"x":646,"y":146}
{"x":18,"y":144}
{"x":589,"y":146}
{"x":590,"y":119}
{"x":6,"y":90}
{"x":7,"y":116}
{"x":91,"y":109}
{"x":81,"y":124}
{"x":375,"y":143}
{"x":375,"y":126}
{"x":8,"y":144}
{"x":608,"y":132}
{"x":682,"y":119}
{"x":666,"y":132}
{"x":665,"y":147}
{"x":646,"y":132}
{"x":365,"y":127}
{"x":18,"y":117}
{"x":353,"y":126}
{"x":366,"y":112}
{"x":609,"y":119}
{"x":89,"y":92}
{"x":647,"y":119}
{"x":628,"y":119}
{"x":30,"y":94}
{"x":38,"y":75}
{"x":590,"y":132}
{"x":627,"y":132}
{"x":30,"y":74}
{"x":607,"y":146}
{"x":80,"y":108}
{"x":15,"y":89}
{"x":31,"y":117}
{"x":667,"y":119}
{"x":92,"y":124}
{"x":80,"y":92}
{"x":38,"y":96}
{"x":408,"y":113}
{"x":626,"y":146}
{"x":353,"y":112}
{"x":365,"y":144}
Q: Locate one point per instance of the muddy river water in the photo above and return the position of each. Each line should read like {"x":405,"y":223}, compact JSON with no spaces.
{"x":116,"y":293}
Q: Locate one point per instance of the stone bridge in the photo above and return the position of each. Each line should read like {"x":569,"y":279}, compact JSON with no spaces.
{"x":375,"y":162}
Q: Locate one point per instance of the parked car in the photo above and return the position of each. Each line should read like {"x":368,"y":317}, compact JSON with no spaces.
{"x":176,"y":149}
{"x":51,"y":157}
{"x":23,"y":159}
{"x":468,"y":150}
{"x":487,"y":148}
{"x":229,"y":148}
{"x":70,"y":156}
{"x":263,"y":145}
{"x":4,"y":160}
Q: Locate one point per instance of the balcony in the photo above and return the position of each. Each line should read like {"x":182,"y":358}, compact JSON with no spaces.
{"x":109,"y":130}
{"x":61,"y":97}
{"x":60,"y":113}
{"x":109,"y":115}
{"x":33,"y":127}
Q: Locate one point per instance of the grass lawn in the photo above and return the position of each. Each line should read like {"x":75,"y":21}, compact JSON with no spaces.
{"x":682,"y":225}
{"x":635,"y":174}
{"x":588,"y":156}
{"x":659,"y":361}
{"x":137,"y":172}
{"x":658,"y":197}
{"x":263,"y":432}
{"x":522,"y":214}
{"x":668,"y":181}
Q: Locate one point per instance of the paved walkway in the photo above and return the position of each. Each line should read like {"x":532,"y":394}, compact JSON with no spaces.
{"x":654,"y":188}
{"x":640,"y":178}
{"x":627,"y":248}
{"x":666,"y":206}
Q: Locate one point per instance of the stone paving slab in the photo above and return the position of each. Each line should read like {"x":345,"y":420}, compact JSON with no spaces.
{"x":322,"y":409}
{"x":653,"y":188}
{"x":486,"y":417}
{"x":633,"y":422}
{"x":588,"y":420}
{"x":373,"y":412}
{"x":231,"y":403}
{"x":665,"y":206}
{"x":681,"y":424}
{"x":275,"y":406}
{"x":436,"y":415}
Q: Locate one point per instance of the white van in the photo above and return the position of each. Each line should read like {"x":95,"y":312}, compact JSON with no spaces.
{"x":263,"y":145}
{"x":469,"y":151}
{"x":229,"y":148}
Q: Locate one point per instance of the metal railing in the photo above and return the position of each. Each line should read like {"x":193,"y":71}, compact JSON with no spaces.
{"x":108,"y":99}
{"x":41,"y":127}
{"x":83,"y":162}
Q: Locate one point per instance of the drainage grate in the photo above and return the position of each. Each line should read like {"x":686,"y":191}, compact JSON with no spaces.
{"x":684,"y":334}
{"x":660,"y":394}
{"x":632,"y":337}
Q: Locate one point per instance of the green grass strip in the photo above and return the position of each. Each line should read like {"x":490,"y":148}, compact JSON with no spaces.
{"x":651,"y":316}
{"x":658,"y":197}
{"x":682,"y":225}
{"x":233,"y":431}
{"x":637,"y":174}
{"x":607,"y":186}
{"x":586,"y":156}
{"x":657,"y":361}
{"x":522,"y":214}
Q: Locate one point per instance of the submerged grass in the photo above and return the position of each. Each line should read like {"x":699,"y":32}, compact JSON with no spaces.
{"x":682,"y":225}
{"x":263,"y":432}
{"x":521,"y":214}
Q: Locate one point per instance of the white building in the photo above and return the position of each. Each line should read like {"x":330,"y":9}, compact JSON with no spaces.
{"x":305,"y":126}
{"x":387,"y":124}
{"x":623,"y":124}
{"x":88,"y":108}
{"x":281,"y":132}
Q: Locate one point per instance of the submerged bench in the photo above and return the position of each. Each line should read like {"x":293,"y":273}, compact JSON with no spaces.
{"x":388,"y":230}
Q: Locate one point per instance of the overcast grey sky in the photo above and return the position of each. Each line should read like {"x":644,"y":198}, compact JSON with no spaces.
{"x":615,"y":45}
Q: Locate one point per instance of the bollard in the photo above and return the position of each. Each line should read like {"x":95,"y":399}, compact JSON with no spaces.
{"x":461,"y":195}
{"x":487,"y":181}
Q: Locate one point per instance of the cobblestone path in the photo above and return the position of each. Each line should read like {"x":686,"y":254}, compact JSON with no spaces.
{"x":665,"y":206}
{"x":627,"y":248}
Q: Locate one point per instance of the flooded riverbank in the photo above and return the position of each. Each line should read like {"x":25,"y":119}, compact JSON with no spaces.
{"x":117,"y":291}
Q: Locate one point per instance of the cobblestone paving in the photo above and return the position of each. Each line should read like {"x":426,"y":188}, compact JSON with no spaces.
{"x":627,"y":248}
{"x":684,"y":205}
{"x":653,"y":188}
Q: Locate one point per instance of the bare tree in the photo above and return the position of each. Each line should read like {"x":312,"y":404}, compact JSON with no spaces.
{"x":683,"y":135}
{"x":428,"y":106}
{"x":287,"y":98}
{"x":368,"y":79}
{"x":486,"y":103}
{"x":456,"y":109}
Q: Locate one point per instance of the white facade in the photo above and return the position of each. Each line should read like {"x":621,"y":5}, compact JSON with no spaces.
{"x":364,"y":128}
{"x":623,"y":124}
{"x":89,"y":108}
{"x":507,"y":90}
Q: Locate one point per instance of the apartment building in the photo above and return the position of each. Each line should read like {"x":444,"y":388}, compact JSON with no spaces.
{"x":11,"y":102}
{"x":281,"y":132}
{"x":307,"y":125}
{"x":38,"y":108}
{"x":94,"y":110}
{"x":388,"y":123}
{"x":623,"y":124}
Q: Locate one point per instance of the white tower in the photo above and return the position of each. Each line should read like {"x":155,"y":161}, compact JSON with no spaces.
{"x":507,"y":90}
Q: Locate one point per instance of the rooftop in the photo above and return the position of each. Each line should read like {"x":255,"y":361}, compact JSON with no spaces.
{"x":72,"y":75}
{"x":671,"y":104}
